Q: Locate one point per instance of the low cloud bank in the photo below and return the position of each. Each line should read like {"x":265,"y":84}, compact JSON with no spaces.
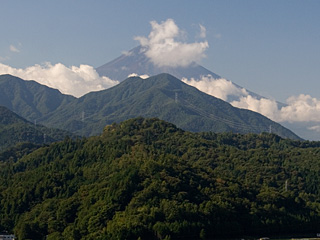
{"x":302,"y":108}
{"x":220,"y":88}
{"x":73,"y":80}
{"x":163,"y":49}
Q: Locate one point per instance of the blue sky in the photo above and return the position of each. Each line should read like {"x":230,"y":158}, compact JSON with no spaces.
{"x":271,"y":47}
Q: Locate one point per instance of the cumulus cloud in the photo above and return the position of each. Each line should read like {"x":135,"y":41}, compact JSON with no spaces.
{"x":302,"y":108}
{"x":73,"y":80}
{"x":163,"y":49}
{"x":220,"y":88}
{"x":144,"y":76}
{"x":266,"y":107}
{"x":14,"y":49}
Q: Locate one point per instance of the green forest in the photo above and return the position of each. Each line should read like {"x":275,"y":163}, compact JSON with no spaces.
{"x":147,"y":179}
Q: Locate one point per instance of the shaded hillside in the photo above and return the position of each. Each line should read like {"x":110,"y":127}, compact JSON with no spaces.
{"x":30,"y":99}
{"x":15,"y":129}
{"x":162,"y":96}
{"x":147,"y":179}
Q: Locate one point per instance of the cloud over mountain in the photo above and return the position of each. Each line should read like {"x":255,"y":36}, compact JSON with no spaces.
{"x":144,"y":76}
{"x":220,"y":88}
{"x":163,"y":48}
{"x":73,"y":80}
{"x":302,"y":108}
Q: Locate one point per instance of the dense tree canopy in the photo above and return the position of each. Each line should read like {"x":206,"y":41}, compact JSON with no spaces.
{"x":147,"y":179}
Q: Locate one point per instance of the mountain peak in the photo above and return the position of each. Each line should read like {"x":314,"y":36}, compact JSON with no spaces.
{"x":30,"y":99}
{"x":135,"y":61}
{"x":165,"y":97}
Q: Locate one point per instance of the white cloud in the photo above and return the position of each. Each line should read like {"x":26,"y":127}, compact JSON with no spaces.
{"x":73,"y":80}
{"x":14,"y":49}
{"x":266,"y":107}
{"x":144,"y":76}
{"x":302,"y":108}
{"x":163,"y":49}
{"x":220,"y":88}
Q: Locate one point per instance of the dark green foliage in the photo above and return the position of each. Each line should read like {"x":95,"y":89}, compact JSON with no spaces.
{"x":29,"y":99}
{"x":165,"y":97}
{"x":147,"y":179}
{"x":14,"y":129}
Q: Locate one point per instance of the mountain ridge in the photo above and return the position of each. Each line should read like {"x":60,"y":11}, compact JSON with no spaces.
{"x":135,"y":61}
{"x":162,"y":96}
{"x":14,"y":129}
{"x":29,"y":99}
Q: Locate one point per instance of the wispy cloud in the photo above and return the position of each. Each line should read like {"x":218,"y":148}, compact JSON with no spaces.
{"x":302,"y":108}
{"x":315,"y":128}
{"x":218,"y":35}
{"x":14,"y":49}
{"x":127,"y":53}
{"x":73,"y":80}
{"x":163,"y":49}
{"x":203,"y":31}
{"x":2,"y":59}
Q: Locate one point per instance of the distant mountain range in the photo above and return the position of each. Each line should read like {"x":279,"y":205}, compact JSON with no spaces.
{"x":135,"y":61}
{"x":162,"y":96}
{"x":30,"y":99}
{"x":15,"y":129}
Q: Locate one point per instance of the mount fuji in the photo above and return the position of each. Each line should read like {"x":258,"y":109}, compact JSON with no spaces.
{"x":136,"y":63}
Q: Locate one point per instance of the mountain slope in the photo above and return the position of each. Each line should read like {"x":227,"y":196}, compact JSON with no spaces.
{"x":14,"y":129}
{"x":136,"y":62}
{"x":162,"y":96}
{"x":147,"y":179}
{"x":29,"y":99}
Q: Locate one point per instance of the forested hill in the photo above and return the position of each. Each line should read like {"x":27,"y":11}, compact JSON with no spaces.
{"x":15,"y":129}
{"x":29,"y":99}
{"x":147,"y":179}
{"x":162,"y":96}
